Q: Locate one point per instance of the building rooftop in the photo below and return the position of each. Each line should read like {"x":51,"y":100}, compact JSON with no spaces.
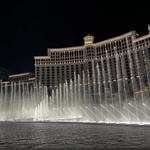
{"x":20,"y":74}
{"x":142,"y":37}
{"x":113,"y":39}
{"x":89,"y":40}
{"x":41,"y":57}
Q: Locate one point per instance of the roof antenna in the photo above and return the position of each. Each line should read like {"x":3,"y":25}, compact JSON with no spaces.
{"x":149,"y":28}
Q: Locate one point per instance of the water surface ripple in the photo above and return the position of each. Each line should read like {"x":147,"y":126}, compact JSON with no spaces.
{"x":72,"y":135}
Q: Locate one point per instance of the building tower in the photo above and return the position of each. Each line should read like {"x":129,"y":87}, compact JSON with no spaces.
{"x":89,"y":39}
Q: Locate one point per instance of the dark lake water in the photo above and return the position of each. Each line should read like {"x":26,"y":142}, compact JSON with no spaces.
{"x":65,"y":135}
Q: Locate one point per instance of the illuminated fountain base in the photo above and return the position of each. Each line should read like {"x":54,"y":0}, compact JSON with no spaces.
{"x":21,"y":102}
{"x":112,"y":114}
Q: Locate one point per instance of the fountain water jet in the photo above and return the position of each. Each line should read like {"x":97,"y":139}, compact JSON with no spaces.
{"x":87,"y":97}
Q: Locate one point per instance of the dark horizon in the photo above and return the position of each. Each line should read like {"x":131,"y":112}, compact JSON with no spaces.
{"x":27,"y":29}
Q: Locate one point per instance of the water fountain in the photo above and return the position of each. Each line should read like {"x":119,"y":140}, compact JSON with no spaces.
{"x":100,"y":98}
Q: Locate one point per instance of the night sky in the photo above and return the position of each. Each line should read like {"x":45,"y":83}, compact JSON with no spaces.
{"x":28,"y":28}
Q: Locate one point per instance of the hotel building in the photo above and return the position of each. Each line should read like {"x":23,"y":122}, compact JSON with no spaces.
{"x":22,"y":77}
{"x":119,"y":58}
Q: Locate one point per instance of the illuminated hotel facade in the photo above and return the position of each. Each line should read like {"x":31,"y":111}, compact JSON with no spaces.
{"x":120,"y":58}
